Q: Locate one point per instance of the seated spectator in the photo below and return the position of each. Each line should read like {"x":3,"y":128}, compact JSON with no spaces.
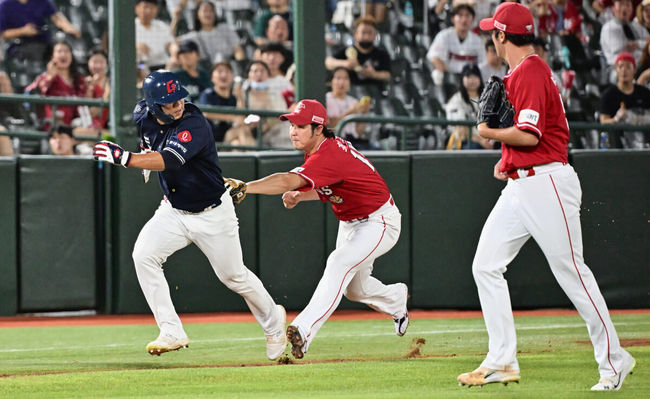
{"x":62,"y":142}
{"x":193,"y":78}
{"x":254,"y":93}
{"x":221,"y":94}
{"x":61,"y":78}
{"x":97,"y":86}
{"x":463,"y":105}
{"x":23,"y":25}
{"x":217,"y":41}
{"x":371,"y":65}
{"x":277,"y":31}
{"x":340,"y":104}
{"x":152,"y":36}
{"x":626,"y":102}
{"x":276,"y":7}
{"x":619,"y":35}
{"x":278,"y":59}
{"x":643,"y":15}
{"x":456,"y":46}
{"x":6,"y":147}
{"x":493,"y":64}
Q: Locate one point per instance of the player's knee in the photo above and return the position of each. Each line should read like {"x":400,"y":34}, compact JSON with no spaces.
{"x":141,"y":256}
{"x":235,"y":282}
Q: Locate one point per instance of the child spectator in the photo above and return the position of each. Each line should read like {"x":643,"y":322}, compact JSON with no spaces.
{"x":193,"y":78}
{"x":341,"y":104}
{"x":220,"y":94}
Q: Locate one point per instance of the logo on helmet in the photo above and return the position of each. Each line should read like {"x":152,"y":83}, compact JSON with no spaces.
{"x":171,"y":86}
{"x":184,"y":136}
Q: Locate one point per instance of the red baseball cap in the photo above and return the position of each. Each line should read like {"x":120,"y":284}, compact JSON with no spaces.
{"x":625,"y":56}
{"x":512,"y":18}
{"x":306,"y":113}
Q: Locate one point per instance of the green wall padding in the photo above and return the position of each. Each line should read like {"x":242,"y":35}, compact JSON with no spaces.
{"x":57,"y":233}
{"x":8,"y":249}
{"x":616,"y":223}
{"x":292,"y":243}
{"x":452,"y":195}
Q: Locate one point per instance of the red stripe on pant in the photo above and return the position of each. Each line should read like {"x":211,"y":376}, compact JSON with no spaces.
{"x":578,"y":272}
{"x":345,"y":275}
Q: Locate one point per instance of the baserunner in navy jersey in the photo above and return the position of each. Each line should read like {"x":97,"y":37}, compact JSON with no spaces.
{"x":177,"y":142}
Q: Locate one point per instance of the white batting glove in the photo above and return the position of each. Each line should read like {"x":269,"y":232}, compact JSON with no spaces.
{"x":111,"y":153}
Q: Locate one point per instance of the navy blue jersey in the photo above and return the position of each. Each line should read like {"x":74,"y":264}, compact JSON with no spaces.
{"x":192,"y":179}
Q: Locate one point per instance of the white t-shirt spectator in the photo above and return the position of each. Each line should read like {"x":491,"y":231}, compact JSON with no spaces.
{"x":157,"y":38}
{"x":454,"y":53}
{"x":215,"y":45}
{"x":613,"y":39}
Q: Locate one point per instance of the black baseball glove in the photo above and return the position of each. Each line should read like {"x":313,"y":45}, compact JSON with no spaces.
{"x":494,"y":107}
{"x":237,"y":189}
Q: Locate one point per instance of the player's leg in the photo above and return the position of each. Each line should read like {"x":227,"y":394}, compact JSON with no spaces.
{"x":560,"y":238}
{"x":389,"y":299}
{"x":342,"y":265}
{"x":160,"y":237}
{"x":501,"y":239}
{"x":216,"y":233}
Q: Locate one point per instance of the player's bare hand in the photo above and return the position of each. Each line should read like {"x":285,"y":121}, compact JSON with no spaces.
{"x":290,"y":199}
{"x":498,"y":174}
{"x":29,"y":30}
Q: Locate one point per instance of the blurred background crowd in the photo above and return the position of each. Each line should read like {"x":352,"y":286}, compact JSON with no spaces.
{"x":420,"y":58}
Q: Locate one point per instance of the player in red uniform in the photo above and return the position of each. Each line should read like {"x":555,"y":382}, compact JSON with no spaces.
{"x":369,"y":226}
{"x":541,"y":200}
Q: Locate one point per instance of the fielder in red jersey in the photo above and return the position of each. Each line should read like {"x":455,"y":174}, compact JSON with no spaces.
{"x":541,"y":200}
{"x":370,"y":222}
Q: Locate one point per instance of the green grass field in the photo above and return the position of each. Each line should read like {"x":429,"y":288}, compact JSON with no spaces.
{"x":348,"y":359}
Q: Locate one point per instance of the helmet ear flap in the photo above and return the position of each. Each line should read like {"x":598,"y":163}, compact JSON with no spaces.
{"x":158,"y":112}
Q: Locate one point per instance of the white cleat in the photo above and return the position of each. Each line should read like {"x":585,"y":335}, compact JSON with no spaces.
{"x":402,"y":323}
{"x":614,"y":383}
{"x":276,"y":343}
{"x":484,"y":375}
{"x":167,"y":343}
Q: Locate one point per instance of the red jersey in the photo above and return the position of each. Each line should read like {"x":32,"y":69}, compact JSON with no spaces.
{"x":344,"y":177}
{"x":538,"y":109}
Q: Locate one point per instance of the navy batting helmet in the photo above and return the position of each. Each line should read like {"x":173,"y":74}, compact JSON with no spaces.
{"x":162,"y":87}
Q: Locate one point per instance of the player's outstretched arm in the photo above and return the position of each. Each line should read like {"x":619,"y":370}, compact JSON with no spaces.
{"x":277,"y":183}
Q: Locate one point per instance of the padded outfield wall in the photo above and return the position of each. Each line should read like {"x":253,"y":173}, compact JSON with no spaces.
{"x":68,"y":229}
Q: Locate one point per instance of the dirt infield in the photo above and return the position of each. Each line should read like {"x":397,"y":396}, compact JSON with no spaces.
{"x":189,"y":318}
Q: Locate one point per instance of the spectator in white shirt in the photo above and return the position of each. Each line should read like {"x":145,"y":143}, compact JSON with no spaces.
{"x":456,"y":46}
{"x":341,"y":104}
{"x":620,"y":35}
{"x":152,"y":36}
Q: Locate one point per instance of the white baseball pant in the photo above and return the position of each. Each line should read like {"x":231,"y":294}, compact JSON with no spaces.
{"x":348,"y":272}
{"x":545,"y":206}
{"x":216,"y":233}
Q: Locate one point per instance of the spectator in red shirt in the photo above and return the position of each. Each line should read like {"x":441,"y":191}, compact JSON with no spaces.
{"x":62,"y":79}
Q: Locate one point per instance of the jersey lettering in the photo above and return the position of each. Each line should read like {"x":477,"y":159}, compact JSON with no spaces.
{"x":356,"y":154}
{"x":326,"y":190}
{"x":528,"y":116}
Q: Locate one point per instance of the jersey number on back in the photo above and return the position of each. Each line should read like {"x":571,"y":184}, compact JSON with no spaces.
{"x":357,"y":155}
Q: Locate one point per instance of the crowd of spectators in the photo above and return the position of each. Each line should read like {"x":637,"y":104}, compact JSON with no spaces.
{"x":380,"y":60}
